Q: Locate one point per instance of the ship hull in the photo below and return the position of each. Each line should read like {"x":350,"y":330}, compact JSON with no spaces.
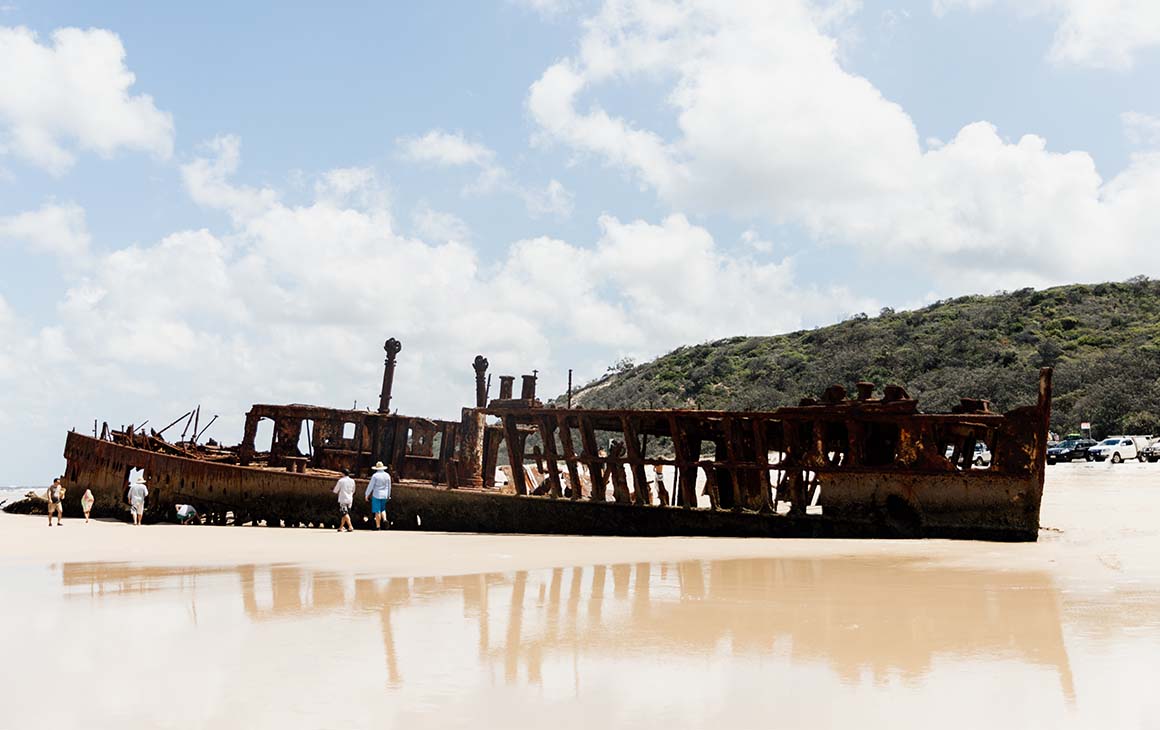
{"x":954,"y":505}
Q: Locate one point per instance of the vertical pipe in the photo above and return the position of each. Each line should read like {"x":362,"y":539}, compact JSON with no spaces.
{"x":392,"y":348}
{"x":505,"y":386}
{"x":480,"y":366}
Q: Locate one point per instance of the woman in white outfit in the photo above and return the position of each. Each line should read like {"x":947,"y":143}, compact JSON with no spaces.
{"x":137,"y":494}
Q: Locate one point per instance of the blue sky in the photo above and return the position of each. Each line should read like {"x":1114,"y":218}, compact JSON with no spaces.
{"x":224,"y":204}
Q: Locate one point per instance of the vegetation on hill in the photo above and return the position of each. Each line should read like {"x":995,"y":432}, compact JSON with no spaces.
{"x":1103,"y":341}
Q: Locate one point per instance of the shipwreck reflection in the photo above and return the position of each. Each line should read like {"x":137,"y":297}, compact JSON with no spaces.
{"x":868,"y":619}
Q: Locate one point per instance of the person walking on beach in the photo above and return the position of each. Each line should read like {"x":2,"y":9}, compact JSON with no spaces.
{"x":344,"y":488}
{"x":659,"y":482}
{"x":378,"y":492}
{"x":55,"y":497}
{"x":87,"y":503}
{"x":137,"y":494}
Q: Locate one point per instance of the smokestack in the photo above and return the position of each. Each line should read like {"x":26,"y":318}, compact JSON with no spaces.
{"x":505,"y":386}
{"x":392,"y":347}
{"x":528,"y":388}
{"x":480,"y":365}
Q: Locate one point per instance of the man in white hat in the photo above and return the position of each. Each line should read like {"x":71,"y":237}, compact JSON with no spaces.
{"x":137,"y":494}
{"x":378,"y":492}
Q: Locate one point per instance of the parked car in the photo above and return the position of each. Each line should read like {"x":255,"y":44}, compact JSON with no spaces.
{"x":1151,"y":452}
{"x":982,"y":455}
{"x":1069,"y":450}
{"x":1116,"y":448}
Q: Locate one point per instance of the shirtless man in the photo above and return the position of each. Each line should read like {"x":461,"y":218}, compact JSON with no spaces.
{"x":55,"y":497}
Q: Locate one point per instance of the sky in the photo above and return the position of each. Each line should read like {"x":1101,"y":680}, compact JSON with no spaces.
{"x":232,"y":203}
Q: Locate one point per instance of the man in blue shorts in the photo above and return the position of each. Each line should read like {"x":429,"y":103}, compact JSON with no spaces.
{"x":378,"y":492}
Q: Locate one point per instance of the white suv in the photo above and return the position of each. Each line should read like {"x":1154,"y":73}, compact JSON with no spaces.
{"x":1116,"y":448}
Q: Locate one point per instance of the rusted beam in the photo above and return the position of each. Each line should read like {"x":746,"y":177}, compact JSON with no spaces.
{"x":732,"y":451}
{"x":569,"y":448}
{"x":548,"y":436}
{"x":620,"y":493}
{"x":793,"y":472}
{"x":596,"y":472}
{"x":641,"y":494}
{"x":686,"y":476}
{"x":761,"y":446}
{"x":515,"y":446}
{"x":162,"y":431}
{"x":711,"y":488}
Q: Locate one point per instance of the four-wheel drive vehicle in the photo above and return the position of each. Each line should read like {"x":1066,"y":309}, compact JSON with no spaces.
{"x":982,"y":455}
{"x":1069,"y":450}
{"x":1116,"y":448}
{"x":1151,"y":452}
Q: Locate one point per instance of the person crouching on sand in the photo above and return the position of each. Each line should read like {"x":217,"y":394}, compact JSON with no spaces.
{"x":345,"y":491}
{"x":378,"y":492}
{"x":55,"y":497}
{"x":137,"y":494}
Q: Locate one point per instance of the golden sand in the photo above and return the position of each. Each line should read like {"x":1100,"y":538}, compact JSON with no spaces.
{"x":168,"y":626}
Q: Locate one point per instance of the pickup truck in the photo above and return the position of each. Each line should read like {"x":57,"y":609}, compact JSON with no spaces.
{"x":1151,"y":452}
{"x":982,"y":456}
{"x":1115,"y":449}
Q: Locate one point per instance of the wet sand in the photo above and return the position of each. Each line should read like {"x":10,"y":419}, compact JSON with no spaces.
{"x":168,"y":626}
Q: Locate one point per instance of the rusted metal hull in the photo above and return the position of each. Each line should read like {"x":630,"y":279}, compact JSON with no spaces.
{"x":839,"y":467}
{"x":275,"y":496}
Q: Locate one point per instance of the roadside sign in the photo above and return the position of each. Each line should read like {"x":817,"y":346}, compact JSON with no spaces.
{"x":1085,"y":426}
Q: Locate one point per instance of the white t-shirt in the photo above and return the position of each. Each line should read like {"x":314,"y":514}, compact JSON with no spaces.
{"x":138,"y":493}
{"x":345,"y":491}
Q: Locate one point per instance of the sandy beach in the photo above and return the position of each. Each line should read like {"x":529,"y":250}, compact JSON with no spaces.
{"x":263,"y":627}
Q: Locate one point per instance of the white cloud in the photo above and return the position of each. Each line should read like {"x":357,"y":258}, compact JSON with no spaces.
{"x":438,"y":225}
{"x":753,"y":239}
{"x":547,"y":8}
{"x":290,"y":303}
{"x":769,"y":124}
{"x":1095,"y":33}
{"x":53,"y":228}
{"x":644,"y":288}
{"x":207,"y":181}
{"x":454,"y":150}
{"x":444,"y":148}
{"x":73,"y":94}
{"x":942,"y":7}
{"x":554,"y":200}
{"x":1141,"y":129}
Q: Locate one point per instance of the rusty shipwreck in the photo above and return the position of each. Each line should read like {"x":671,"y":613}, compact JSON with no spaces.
{"x":840,"y":466}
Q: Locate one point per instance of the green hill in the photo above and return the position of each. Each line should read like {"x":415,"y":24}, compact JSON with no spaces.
{"x":1103,"y":341}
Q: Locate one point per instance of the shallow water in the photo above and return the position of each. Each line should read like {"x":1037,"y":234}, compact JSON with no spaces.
{"x":964,"y":637}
